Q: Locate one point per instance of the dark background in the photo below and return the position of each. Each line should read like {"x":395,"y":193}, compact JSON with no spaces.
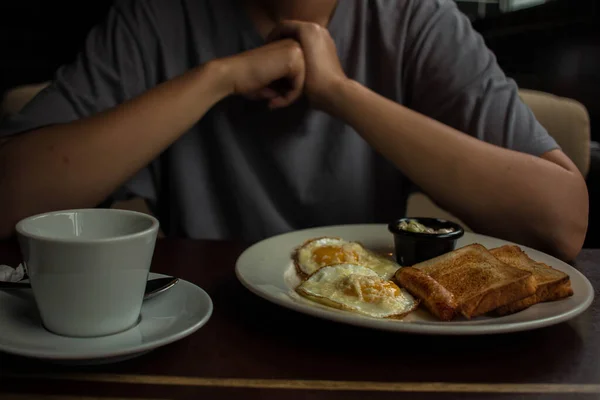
{"x":554,"y":47}
{"x":36,"y":36}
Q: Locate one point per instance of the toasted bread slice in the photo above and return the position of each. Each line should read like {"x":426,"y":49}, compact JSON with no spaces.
{"x":469,"y":281}
{"x":552,"y":284}
{"x":437,"y":299}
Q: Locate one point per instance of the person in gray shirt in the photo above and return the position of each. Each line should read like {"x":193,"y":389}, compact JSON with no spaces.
{"x":243,"y":119}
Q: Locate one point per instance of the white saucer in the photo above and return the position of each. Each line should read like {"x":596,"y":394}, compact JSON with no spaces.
{"x":171,"y":316}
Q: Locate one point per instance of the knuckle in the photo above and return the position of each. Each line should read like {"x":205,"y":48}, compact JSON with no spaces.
{"x":314,"y":27}
{"x":295,"y":52}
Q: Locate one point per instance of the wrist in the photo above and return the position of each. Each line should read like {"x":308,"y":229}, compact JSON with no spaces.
{"x":343,"y":97}
{"x":218,"y":74}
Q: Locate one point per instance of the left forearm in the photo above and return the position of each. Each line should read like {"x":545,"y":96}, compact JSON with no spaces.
{"x":498,"y":191}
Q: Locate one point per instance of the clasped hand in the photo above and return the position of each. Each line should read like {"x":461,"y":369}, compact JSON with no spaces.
{"x":299,"y":58}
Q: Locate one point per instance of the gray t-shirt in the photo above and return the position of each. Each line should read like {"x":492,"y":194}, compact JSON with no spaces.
{"x":246,"y":172}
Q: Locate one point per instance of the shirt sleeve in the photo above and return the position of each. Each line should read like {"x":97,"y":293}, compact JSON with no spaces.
{"x":110,"y":69}
{"x":451,"y":76}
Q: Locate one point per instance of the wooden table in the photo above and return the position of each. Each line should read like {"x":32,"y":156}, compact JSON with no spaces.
{"x":253,"y":349}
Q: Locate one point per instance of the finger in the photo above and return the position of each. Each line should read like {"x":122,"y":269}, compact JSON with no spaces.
{"x":278,"y":102}
{"x":296,"y":81}
{"x":267,"y":93}
{"x":285,"y":100}
{"x":278,"y":44}
{"x":292,"y":94}
{"x":286,"y":29}
{"x":282,"y":85}
{"x":263,"y":94}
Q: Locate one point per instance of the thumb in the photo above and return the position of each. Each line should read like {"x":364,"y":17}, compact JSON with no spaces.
{"x":285,"y":30}
{"x":262,"y":94}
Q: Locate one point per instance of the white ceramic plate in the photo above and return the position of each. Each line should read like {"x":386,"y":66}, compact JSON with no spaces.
{"x":267,"y":270}
{"x":168,"y":317}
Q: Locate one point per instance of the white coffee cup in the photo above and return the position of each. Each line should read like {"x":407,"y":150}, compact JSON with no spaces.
{"x":88,"y":268}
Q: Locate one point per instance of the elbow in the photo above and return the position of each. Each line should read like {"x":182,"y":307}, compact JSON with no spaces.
{"x":566,"y":232}
{"x":568,"y":245}
{"x":569,"y":241}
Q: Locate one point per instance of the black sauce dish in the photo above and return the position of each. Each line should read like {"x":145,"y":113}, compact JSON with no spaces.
{"x":413,"y":247}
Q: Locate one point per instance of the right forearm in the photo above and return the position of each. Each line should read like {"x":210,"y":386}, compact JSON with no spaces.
{"x":79,"y":164}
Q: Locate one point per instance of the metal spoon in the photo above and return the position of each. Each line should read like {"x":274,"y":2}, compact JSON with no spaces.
{"x":154,"y":287}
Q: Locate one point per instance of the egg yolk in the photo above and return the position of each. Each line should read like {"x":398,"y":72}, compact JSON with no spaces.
{"x":369,"y":289}
{"x":330,"y":255}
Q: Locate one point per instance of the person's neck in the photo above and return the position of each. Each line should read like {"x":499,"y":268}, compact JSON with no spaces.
{"x":266,"y":14}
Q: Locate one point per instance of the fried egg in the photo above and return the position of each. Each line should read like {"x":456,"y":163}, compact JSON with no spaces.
{"x":357,"y":289}
{"x":321,"y":252}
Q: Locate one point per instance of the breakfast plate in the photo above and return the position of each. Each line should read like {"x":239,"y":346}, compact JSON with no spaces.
{"x":173,"y":315}
{"x":267,"y":269}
